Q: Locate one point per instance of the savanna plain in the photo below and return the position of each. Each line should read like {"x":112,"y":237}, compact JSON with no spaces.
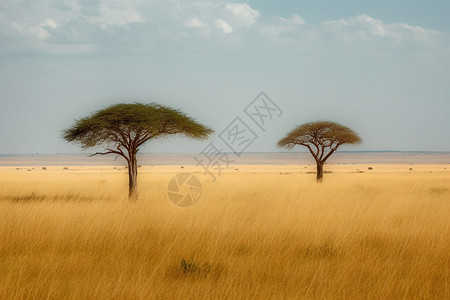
{"x":257,"y":232}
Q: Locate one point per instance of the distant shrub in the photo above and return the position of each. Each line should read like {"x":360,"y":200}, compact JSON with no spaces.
{"x":44,"y":168}
{"x":321,"y":251}
{"x":369,"y":168}
{"x":26,"y":197}
{"x":33,"y":197}
{"x":65,"y":168}
{"x":188,"y":266}
{"x":439,"y":190}
{"x":191,"y":269}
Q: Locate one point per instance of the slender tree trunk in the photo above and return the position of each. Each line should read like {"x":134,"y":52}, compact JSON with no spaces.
{"x":132,"y":177}
{"x":319,"y":171}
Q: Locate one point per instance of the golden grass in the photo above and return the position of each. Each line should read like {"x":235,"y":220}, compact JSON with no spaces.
{"x":255,"y":234}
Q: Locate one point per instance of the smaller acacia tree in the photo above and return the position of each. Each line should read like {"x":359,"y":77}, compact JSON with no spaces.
{"x":123,"y":128}
{"x":321,"y":138}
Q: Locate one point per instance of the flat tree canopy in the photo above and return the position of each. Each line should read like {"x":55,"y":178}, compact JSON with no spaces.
{"x":322,"y":138}
{"x":122,"y":128}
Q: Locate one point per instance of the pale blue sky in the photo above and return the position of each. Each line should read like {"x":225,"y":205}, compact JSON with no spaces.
{"x":379,"y":67}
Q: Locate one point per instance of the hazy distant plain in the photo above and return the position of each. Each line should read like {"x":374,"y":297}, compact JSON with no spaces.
{"x":160,"y":159}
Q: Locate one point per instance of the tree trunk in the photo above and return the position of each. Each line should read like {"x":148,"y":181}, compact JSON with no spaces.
{"x":319,"y":171}
{"x":132,"y":177}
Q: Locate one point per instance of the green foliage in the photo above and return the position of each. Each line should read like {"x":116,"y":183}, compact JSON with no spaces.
{"x":322,"y":133}
{"x":131,"y":125}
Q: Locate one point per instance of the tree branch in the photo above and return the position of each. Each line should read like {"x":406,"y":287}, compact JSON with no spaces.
{"x":318,"y":150}
{"x":125,"y":141}
{"x":121,"y":152}
{"x":310,"y":150}
{"x":110,"y":151}
{"x":147,"y":137}
{"x":103,"y":153}
{"x":136,"y":139}
{"x":322,"y":153}
{"x":331,"y":152}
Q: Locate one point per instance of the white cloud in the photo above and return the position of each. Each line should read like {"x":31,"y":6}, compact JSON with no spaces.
{"x":38,"y":40}
{"x":207,"y":15}
{"x":297,"y":20}
{"x":49,"y":23}
{"x":361,"y":26}
{"x":368,"y":24}
{"x":418,"y":33}
{"x":80,"y":23}
{"x":194,"y":23}
{"x":117,"y":13}
{"x":36,"y":32}
{"x":281,"y":28}
{"x":39,"y":32}
{"x":366,"y":27}
{"x":221,"y":24}
{"x":243,"y":14}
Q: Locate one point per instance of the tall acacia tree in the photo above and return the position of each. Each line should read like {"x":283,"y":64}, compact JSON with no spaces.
{"x":123,"y":128}
{"x":321,"y":138}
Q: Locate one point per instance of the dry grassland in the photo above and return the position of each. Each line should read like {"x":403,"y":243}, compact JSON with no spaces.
{"x":259,"y":232}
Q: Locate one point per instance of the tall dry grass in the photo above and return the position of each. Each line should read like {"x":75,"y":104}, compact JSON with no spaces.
{"x":73,"y":235}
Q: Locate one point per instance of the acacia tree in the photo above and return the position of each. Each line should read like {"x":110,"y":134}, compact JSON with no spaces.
{"x":321,"y":138}
{"x":123,"y":128}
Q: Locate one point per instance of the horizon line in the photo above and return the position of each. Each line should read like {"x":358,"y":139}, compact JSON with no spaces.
{"x":255,"y":152}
